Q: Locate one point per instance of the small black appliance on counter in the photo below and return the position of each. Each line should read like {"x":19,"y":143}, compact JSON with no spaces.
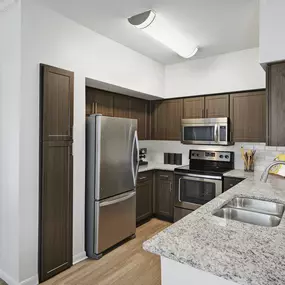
{"x":143,"y":152}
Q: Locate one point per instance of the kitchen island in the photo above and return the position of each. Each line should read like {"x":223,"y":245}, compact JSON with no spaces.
{"x":205,"y":249}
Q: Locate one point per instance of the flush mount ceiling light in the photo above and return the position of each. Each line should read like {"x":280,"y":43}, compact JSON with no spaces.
{"x":4,"y":4}
{"x":158,"y":28}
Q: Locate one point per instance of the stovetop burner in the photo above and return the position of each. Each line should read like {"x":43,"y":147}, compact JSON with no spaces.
{"x":212,"y":172}
{"x":203,"y":162}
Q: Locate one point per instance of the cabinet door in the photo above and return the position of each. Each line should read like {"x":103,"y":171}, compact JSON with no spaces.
{"x":121,"y":106}
{"x":173,"y":119}
{"x":180,"y":213}
{"x":56,"y":209}
{"x":230,"y":182}
{"x":159,"y":113}
{"x":144,"y":200}
{"x":248,"y":116}
{"x":164,"y":195}
{"x":55,"y":171}
{"x":194,"y":108}
{"x":276,"y":104}
{"x":217,"y":106}
{"x":56,"y":104}
{"x":139,"y":111}
{"x":99,"y":102}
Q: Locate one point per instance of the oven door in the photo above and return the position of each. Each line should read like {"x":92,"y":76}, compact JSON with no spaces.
{"x":200,"y":133}
{"x":193,"y":191}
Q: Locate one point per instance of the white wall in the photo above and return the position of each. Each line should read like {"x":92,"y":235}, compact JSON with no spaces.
{"x":223,"y":73}
{"x":271,"y":31}
{"x":49,"y":38}
{"x":10,"y":52}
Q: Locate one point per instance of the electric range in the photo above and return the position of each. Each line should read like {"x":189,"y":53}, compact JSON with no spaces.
{"x":201,"y":180}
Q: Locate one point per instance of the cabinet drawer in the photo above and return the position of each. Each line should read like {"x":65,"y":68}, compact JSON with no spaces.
{"x":144,"y":176}
{"x":230,"y":182}
{"x":165,"y":175}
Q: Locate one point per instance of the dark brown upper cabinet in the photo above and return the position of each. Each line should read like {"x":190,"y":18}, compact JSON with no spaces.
{"x":140,"y":110}
{"x":276,"y":104}
{"x":99,"y":102}
{"x":248,"y":116}
{"x":159,"y":112}
{"x":194,"y":108}
{"x":122,"y":106}
{"x":217,"y":106}
{"x":174,"y":109}
{"x":57,"y":104}
{"x":166,"y":119}
{"x":56,"y":171}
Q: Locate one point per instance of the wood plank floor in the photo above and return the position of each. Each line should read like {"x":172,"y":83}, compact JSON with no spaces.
{"x":128,"y":264}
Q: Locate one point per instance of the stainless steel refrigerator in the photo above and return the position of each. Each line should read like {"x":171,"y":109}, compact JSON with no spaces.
{"x":112,"y":159}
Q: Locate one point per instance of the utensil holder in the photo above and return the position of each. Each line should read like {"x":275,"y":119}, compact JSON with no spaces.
{"x":250,"y":167}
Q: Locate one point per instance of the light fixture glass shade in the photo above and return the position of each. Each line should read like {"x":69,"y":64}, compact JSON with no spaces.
{"x":158,"y":28}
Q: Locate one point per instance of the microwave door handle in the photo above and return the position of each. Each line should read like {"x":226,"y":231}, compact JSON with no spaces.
{"x":216,"y":133}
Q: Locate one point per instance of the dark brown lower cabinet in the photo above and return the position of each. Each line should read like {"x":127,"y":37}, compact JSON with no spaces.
{"x":230,"y":182}
{"x":180,"y":213}
{"x":56,"y":209}
{"x":164,"y":196}
{"x":144,"y":196}
{"x":56,"y":171}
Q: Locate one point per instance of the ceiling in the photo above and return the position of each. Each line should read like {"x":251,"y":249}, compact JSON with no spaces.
{"x":218,"y":26}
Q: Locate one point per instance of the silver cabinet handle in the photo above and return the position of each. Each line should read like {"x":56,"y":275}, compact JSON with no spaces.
{"x":170,"y":188}
{"x":141,"y":178}
{"x":179,"y":190}
{"x":164,"y":176}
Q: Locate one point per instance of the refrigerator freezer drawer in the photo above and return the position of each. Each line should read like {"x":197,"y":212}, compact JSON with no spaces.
{"x":115,"y":220}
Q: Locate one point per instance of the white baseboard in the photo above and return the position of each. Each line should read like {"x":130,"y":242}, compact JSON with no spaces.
{"x":8,"y":279}
{"x":34,"y":280}
{"x":79,"y":257}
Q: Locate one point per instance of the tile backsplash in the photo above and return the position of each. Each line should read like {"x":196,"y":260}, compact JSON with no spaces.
{"x":264,"y":154}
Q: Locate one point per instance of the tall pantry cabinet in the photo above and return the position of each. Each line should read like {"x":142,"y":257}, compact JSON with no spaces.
{"x":56,"y":171}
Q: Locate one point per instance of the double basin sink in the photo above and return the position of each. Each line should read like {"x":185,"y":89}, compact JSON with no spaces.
{"x":252,"y":211}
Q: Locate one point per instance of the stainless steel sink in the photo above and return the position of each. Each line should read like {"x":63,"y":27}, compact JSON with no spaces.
{"x":252,"y":211}
{"x":248,"y":217}
{"x":260,"y":206}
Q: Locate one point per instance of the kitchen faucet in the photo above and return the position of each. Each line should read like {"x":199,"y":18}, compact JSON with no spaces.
{"x":265,"y":173}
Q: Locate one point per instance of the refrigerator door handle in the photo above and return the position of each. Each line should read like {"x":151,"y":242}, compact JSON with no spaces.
{"x":118,"y":200}
{"x":97,"y":155}
{"x":135,"y":167}
{"x":137,"y":156}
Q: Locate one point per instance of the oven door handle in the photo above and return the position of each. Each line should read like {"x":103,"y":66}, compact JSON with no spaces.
{"x":203,"y":177}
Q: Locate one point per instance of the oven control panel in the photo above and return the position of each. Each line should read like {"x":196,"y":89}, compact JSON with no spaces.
{"x":210,"y":155}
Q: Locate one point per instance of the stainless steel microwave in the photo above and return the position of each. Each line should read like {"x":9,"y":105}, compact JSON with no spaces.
{"x":212,"y":131}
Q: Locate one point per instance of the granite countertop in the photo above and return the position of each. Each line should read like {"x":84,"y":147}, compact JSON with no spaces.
{"x":243,"y":253}
{"x":158,"y":166}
